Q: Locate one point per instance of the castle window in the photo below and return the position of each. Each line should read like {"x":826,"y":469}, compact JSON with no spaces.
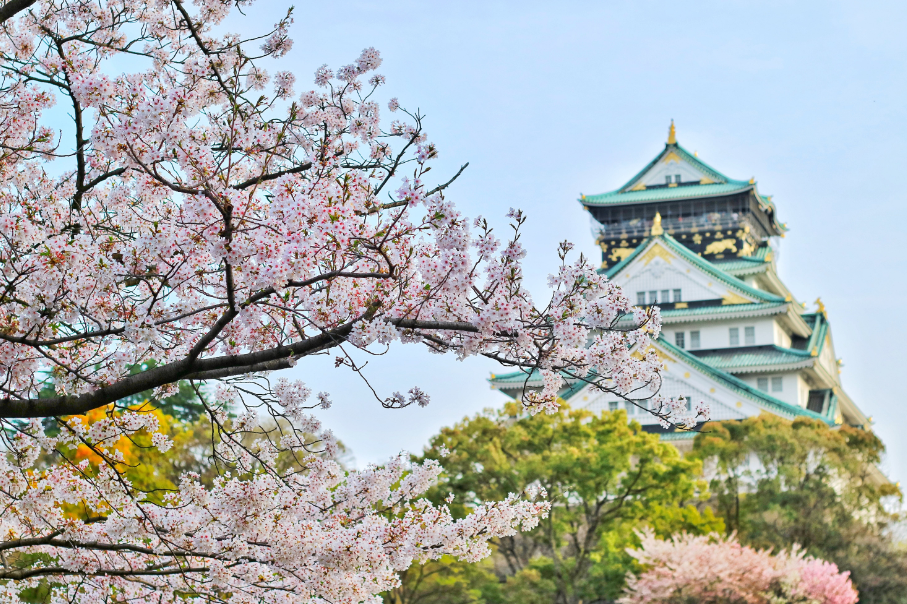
{"x":668,"y":179}
{"x":653,"y":297}
{"x":762,"y":384}
{"x":631,"y":408}
{"x":749,"y":336}
{"x":677,"y":178}
{"x":816,"y":401}
{"x":677,"y":296}
{"x":678,"y":339}
{"x":612,"y":405}
{"x":665,"y":296}
{"x":640,"y":298}
{"x":694,"y":339}
{"x":777,"y":384}
{"x":734,"y":336}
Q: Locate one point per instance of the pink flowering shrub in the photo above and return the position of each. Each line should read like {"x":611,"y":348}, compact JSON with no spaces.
{"x":713,"y":570}
{"x":200,"y":220}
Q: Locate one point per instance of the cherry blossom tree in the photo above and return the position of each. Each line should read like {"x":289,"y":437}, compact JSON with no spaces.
{"x":711,"y":569}
{"x":196,"y":221}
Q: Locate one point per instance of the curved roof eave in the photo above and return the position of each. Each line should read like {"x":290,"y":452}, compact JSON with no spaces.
{"x":740,"y":386}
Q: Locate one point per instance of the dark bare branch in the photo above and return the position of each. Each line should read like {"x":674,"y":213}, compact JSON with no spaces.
{"x":14,"y":7}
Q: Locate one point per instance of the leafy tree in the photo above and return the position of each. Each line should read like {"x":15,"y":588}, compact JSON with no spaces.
{"x":603,"y":476}
{"x":778,"y":483}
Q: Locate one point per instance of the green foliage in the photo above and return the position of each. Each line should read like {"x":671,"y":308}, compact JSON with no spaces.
{"x":777,"y":483}
{"x":604,"y":477}
{"x":447,"y":581}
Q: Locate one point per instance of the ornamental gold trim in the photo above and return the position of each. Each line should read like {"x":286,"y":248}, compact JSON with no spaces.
{"x":657,"y":251}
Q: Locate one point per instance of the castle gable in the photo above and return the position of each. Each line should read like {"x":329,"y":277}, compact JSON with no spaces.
{"x":662,"y":271}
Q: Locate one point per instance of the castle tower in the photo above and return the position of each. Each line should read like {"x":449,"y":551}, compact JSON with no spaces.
{"x":714,"y":216}
{"x":698,"y":244}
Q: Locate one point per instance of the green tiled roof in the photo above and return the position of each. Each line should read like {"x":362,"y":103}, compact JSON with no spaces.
{"x":722,"y":185}
{"x":679,"y":435}
{"x":735,"y":384}
{"x":739,"y":386}
{"x":758,"y":308}
{"x":665,"y":193}
{"x":819,"y":324}
{"x":746,"y":264}
{"x":697,"y":261}
{"x":515,"y":377}
{"x":772,"y":357}
{"x":518,"y":378}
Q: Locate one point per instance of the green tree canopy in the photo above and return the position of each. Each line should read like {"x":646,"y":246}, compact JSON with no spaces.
{"x":603,"y":476}
{"x":777,"y":483}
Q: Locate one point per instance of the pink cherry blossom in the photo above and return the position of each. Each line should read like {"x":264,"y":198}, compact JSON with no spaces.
{"x":194,"y":222}
{"x":710,"y":569}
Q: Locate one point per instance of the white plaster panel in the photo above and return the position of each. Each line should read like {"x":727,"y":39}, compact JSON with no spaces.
{"x":782,"y":338}
{"x":795,"y":391}
{"x":716,"y":334}
{"x":649,"y":274}
{"x":802,"y":391}
{"x":827,"y":357}
{"x":656,"y":176}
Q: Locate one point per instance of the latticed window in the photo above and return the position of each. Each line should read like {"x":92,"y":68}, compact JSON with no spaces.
{"x":677,"y":297}
{"x":694,"y":339}
{"x":749,"y":335}
{"x":734,"y":336}
{"x":678,"y":339}
{"x":762,"y":384}
{"x":640,"y":298}
{"x":777,"y":384}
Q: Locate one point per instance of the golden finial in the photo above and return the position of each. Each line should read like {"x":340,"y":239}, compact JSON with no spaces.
{"x":656,"y":226}
{"x":672,"y":135}
{"x":582,"y":196}
{"x":821,"y":306}
{"x":753,"y":180}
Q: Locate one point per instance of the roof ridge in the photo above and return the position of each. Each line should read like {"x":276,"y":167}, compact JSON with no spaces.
{"x":691,"y":158}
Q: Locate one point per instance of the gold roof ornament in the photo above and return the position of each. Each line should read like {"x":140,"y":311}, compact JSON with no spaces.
{"x":821,"y":306}
{"x":672,"y":134}
{"x":656,"y":222}
{"x":753,"y":180}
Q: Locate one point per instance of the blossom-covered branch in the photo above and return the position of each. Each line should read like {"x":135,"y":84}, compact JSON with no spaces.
{"x":200,"y":222}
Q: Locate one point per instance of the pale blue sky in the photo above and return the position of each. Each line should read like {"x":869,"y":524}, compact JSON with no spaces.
{"x":547,"y":100}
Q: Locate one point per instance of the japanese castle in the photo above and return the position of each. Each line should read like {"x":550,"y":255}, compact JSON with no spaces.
{"x":702,"y":246}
